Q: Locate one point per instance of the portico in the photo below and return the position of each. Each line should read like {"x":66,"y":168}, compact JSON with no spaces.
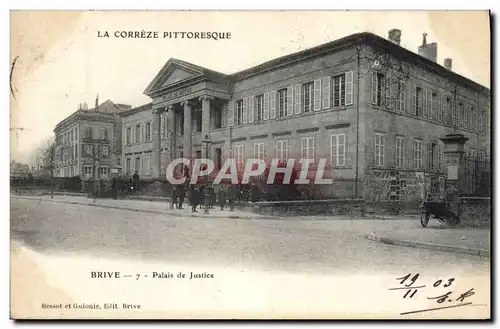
{"x":195,"y":101}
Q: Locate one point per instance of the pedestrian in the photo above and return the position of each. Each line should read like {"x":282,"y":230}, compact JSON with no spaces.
{"x":232,"y":197}
{"x":181,"y":195}
{"x":195,"y":198}
{"x":135,"y":181}
{"x":114,"y":188}
{"x":173,"y":201}
{"x":222,"y":198}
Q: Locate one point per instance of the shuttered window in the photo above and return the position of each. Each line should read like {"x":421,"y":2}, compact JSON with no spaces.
{"x":272,"y":107}
{"x":298,"y":99}
{"x":317,"y":95}
{"x":308,"y":96}
{"x":282,"y":102}
{"x":251,"y":109}
{"x":245,"y":111}
{"x":266,"y":107}
{"x":326,"y":93}
{"x":230,"y":114}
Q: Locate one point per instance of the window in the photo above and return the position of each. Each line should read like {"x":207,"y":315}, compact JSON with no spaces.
{"x":472,"y":153}
{"x":75,"y":151}
{"x":342,"y":89}
{"x":447,"y":109}
{"x":417,"y":154}
{"x":400,"y":96}
{"x":259,"y":102}
{"x":128,"y":167}
{"x":87,"y":170}
{"x":337,"y":149}
{"x":417,"y":101}
{"x":104,"y":151}
{"x":434,"y":106}
{"x":258,"y":150}
{"x":145,"y":165}
{"x":379,"y":149}
{"x":198,"y":155}
{"x":238,"y":155}
{"x":88,"y":132}
{"x":282,"y":150}
{"x":339,"y":90}
{"x":378,"y":88}
{"x":308,"y":97}
{"x":400,"y":152}
{"x":137,"y":164}
{"x":87,"y":150}
{"x":102,"y":133}
{"x":138,"y":133}
{"x":72,"y":135}
{"x":460,"y":114}
{"x":103,"y":171}
{"x":466,"y":116}
{"x":148,"y":131}
{"x":307,"y":148}
{"x":473,"y":118}
{"x":431,"y":155}
{"x":239,"y":112}
{"x":282,"y":102}
{"x":481,"y":122}
{"x":129,"y":136}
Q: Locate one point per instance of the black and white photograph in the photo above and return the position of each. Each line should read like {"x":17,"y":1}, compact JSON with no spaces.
{"x":250,"y":164}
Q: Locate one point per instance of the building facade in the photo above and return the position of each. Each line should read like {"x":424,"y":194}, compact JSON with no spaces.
{"x":137,"y":141}
{"x":362,"y":102}
{"x":88,"y":142}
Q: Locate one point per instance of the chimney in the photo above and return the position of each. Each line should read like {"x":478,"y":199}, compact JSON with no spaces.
{"x":428,"y":50}
{"x":447,"y":63}
{"x":85,"y":106}
{"x":395,"y":36}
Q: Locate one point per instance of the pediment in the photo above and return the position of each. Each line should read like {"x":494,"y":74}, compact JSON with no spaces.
{"x":173,"y":73}
{"x":177,"y":74}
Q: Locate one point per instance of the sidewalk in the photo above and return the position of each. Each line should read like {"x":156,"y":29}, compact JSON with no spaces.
{"x":470,"y":241}
{"x":147,"y":207}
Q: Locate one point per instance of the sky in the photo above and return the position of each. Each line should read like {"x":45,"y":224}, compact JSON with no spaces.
{"x":61,"y":62}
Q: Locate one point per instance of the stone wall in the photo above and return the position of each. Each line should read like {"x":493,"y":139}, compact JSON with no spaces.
{"x":475,"y":212}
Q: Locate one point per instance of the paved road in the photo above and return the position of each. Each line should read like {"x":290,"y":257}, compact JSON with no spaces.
{"x":321,"y":247}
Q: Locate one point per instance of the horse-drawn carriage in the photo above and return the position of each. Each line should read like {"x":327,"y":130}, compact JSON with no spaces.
{"x":435,"y":204}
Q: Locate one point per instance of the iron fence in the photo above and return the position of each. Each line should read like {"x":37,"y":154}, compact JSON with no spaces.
{"x":477,"y":180}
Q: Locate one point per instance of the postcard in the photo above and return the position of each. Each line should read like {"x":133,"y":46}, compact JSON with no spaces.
{"x":250,"y":165}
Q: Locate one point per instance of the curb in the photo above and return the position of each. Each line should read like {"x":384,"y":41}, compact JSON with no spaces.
{"x":429,"y":246}
{"x":156,"y":212}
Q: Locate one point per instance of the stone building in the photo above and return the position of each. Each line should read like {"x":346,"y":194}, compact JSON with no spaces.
{"x":137,"y":141}
{"x":84,"y":131}
{"x":362,"y":102}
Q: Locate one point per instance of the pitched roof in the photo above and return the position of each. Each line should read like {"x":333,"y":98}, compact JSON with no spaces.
{"x":348,"y":41}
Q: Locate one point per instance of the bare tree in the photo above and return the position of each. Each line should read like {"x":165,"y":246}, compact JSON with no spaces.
{"x":48,"y":151}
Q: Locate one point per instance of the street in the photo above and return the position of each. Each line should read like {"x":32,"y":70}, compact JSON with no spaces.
{"x":136,"y":241}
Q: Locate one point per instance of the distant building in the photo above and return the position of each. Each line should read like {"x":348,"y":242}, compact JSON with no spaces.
{"x":88,"y":142}
{"x":19,"y":170}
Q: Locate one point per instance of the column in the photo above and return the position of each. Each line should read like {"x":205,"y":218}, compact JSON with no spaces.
{"x":187,"y":130}
{"x":205,"y":121}
{"x":454,"y":168}
{"x":170,"y":134}
{"x":156,"y":154}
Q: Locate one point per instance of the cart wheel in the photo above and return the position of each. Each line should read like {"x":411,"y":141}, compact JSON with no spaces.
{"x":424,"y":218}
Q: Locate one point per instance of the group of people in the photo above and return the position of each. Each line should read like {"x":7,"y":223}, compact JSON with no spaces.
{"x":203,"y":195}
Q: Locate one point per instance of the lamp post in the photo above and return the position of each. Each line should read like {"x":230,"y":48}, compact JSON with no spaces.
{"x":206,"y":142}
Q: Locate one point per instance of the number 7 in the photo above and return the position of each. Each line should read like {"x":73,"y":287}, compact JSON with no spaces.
{"x":138,"y":275}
